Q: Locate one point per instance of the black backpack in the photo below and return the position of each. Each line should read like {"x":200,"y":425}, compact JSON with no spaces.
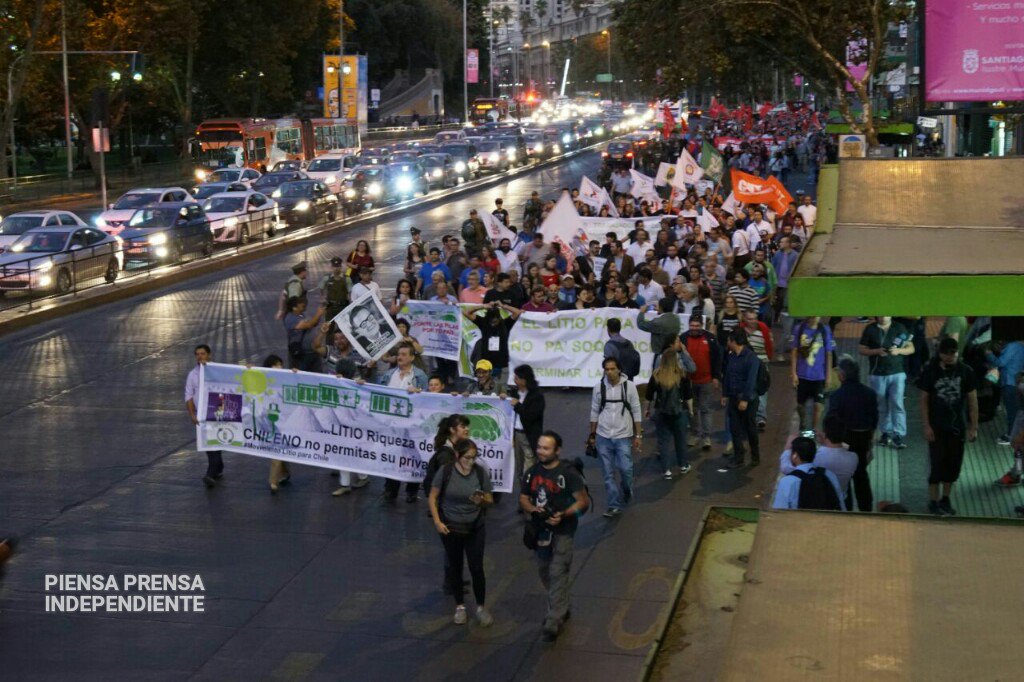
{"x":629,"y":358}
{"x":764,"y":378}
{"x":816,"y":490}
{"x":624,"y":401}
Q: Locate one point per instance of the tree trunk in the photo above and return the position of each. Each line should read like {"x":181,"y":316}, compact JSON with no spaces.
{"x":17,"y":81}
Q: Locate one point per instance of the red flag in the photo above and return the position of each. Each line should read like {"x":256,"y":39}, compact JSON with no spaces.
{"x":670,"y":121}
{"x":683,"y":127}
{"x":764,"y":110}
{"x":751,"y":189}
{"x":781,"y":197}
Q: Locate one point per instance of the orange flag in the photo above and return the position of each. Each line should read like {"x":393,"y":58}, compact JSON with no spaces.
{"x":781,"y":197}
{"x":751,"y":189}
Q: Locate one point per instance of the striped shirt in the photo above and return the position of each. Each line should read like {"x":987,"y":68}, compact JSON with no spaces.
{"x":746,"y":297}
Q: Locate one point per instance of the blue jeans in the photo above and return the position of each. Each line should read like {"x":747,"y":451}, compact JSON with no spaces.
{"x":671,"y":433}
{"x":892,"y":415}
{"x":616,"y":455}
{"x":1010,"y":404}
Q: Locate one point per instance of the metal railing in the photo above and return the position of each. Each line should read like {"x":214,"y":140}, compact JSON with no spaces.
{"x":42,"y":187}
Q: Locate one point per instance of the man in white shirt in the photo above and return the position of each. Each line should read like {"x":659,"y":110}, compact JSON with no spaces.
{"x":832,"y":454}
{"x":740,"y":247}
{"x":672,"y":263}
{"x":809,"y":212}
{"x":648,"y":289}
{"x":508,"y":260}
{"x":615,"y":423}
{"x":688,"y":301}
{"x":761,"y":225}
{"x":365,"y":284}
{"x":214,"y":461}
{"x":638,"y":249}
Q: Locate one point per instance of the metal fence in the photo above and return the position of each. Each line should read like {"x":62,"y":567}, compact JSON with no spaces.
{"x":41,"y":187}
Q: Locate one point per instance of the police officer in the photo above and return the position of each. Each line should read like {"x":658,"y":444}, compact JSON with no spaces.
{"x":334,"y":289}
{"x":295,"y":287}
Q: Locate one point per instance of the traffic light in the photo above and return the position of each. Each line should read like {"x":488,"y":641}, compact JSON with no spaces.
{"x":137,"y":65}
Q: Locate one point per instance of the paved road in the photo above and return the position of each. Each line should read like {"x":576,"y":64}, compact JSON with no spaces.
{"x":98,"y":476}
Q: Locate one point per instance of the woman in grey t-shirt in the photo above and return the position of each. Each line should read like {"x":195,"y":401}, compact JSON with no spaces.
{"x":459,"y":494}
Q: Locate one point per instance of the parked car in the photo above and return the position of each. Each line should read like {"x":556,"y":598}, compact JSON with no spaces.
{"x":236,"y":217}
{"x":408,"y":179}
{"x":492,"y":156}
{"x":55,"y":257}
{"x":271,"y":181}
{"x":17,"y":224}
{"x":440,"y":170}
{"x":163,"y":233}
{"x":116,"y":217}
{"x":332,"y":169}
{"x":208,"y":189}
{"x":303,"y":203}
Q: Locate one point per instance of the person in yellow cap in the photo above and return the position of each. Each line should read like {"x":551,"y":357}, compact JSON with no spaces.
{"x":484,"y":383}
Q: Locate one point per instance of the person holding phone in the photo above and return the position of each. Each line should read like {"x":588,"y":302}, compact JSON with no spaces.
{"x":459,"y":495}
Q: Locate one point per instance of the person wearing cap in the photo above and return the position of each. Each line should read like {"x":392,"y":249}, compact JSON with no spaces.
{"x":949,"y":391}
{"x":856,"y":406}
{"x":475,"y":233}
{"x":334,"y":289}
{"x":484,"y":382}
{"x":499,"y":212}
{"x":417,"y":238}
{"x":295,"y":287}
{"x":567,"y":294}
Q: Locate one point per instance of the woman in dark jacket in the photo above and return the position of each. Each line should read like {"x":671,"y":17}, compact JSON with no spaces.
{"x":528,"y":402}
{"x":667,"y":392}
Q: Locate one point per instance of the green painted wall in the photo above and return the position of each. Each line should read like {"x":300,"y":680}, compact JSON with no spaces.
{"x":828,"y":198}
{"x":907,"y":295}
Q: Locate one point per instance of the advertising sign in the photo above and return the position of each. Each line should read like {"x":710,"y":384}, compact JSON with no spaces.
{"x":974,"y":51}
{"x":472,"y":66}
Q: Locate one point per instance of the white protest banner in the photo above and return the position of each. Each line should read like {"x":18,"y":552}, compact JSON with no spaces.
{"x":666,"y":171}
{"x":597,"y":228}
{"x":563,"y":226}
{"x":643,"y":188}
{"x":730,"y":205}
{"x":368,"y":326}
{"x":688,"y":171}
{"x":496,"y":229}
{"x":320,"y":420}
{"x":599,"y":264}
{"x":595,"y":196}
{"x":566,"y":348}
{"x":437,"y":326}
{"x":706,"y":220}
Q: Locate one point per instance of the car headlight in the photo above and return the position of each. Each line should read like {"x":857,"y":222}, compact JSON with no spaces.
{"x":512,"y":154}
{"x":302,"y":206}
{"x":404,"y":184}
{"x":158,"y":239}
{"x":230,"y":222}
{"x":374,"y":189}
{"x":539,"y":147}
{"x":495,"y":156}
{"x":200,"y":174}
{"x":18,"y":248}
{"x":567,"y":138}
{"x":330,"y":180}
{"x":350,"y":193}
{"x":276,"y":194}
{"x":460,"y":167}
{"x":45,"y":267}
{"x":45,"y":281}
{"x":555,"y":149}
{"x":599,"y":131}
{"x":99,"y":221}
{"x":437,"y":173}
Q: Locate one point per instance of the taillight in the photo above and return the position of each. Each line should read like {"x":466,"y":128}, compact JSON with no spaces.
{"x":629,"y":155}
{"x":605,"y":154}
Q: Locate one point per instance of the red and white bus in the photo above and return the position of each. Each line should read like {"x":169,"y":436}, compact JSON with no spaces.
{"x":260,"y":143}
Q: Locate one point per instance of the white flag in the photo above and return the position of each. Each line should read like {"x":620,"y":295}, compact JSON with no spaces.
{"x":666,"y":171}
{"x":496,"y":229}
{"x":643,"y":187}
{"x":688,"y":171}
{"x":707,"y":221}
{"x":730,"y":205}
{"x":563,"y":225}
{"x":595,"y":196}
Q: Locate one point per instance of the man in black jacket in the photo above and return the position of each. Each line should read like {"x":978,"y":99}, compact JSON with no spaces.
{"x":528,"y":402}
{"x":739,"y":395}
{"x":856,"y":405}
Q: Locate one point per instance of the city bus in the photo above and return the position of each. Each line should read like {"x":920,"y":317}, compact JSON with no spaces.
{"x":260,"y":143}
{"x":486,"y":109}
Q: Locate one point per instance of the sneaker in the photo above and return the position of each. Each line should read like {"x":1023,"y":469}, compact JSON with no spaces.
{"x":1008,"y":480}
{"x":946,"y":507}
{"x":933,"y":508}
{"x":484,"y":617}
{"x":899,"y":443}
{"x":685,"y":469}
{"x":460,"y":615}
{"x":884,"y":441}
{"x":706,"y":445}
{"x":1003,"y":439}
{"x":692,"y":441}
{"x":728,"y":448}
{"x":342,"y":490}
{"x":612,"y":513}
{"x":210,"y":481}
{"x":668,"y":474}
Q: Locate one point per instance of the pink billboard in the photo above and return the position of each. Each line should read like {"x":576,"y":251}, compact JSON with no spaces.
{"x":472,"y":66}
{"x":974,"y":51}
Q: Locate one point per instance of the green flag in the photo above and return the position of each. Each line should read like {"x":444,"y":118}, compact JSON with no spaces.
{"x":712,"y":162}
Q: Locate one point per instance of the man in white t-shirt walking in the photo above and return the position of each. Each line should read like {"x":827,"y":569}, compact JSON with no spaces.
{"x":809,"y":212}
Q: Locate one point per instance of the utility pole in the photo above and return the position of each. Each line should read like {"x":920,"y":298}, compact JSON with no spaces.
{"x":67,"y":90}
{"x":14,"y":144}
{"x":465,"y":69}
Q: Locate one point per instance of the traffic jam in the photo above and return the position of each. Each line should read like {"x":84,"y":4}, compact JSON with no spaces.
{"x":260,"y":179}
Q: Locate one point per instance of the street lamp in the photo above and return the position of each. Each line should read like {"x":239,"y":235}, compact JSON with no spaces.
{"x":115,"y":76}
{"x":547,"y":66}
{"x":529,"y":68}
{"x":606,"y":33}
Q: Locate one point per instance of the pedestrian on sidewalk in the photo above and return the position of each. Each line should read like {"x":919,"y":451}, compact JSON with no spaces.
{"x":949,"y":389}
{"x":740,"y":397}
{"x":615,"y":430}
{"x":214,"y":461}
{"x":857,"y":408}
{"x":459,"y":496}
{"x":554,"y":496}
{"x":885,"y":343}
{"x":668,"y":393}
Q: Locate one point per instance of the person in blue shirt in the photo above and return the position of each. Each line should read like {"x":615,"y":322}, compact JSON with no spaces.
{"x":426,"y":273}
{"x":1008,"y":358}
{"x":787,"y":494}
{"x":474,"y":266}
